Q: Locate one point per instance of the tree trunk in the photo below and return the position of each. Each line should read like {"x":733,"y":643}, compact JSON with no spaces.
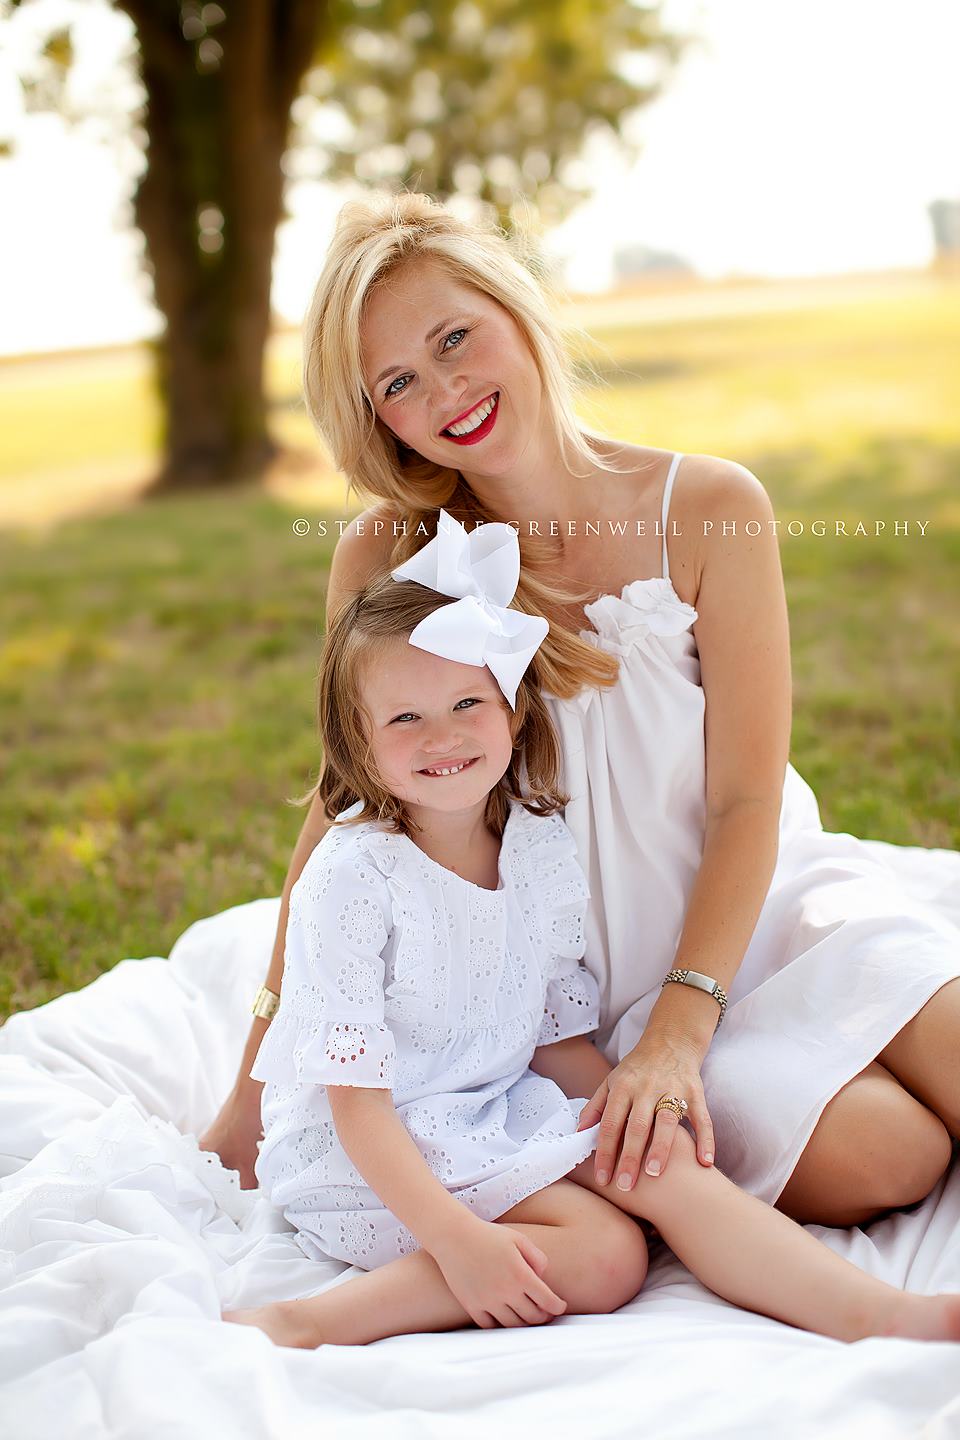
{"x":208,"y":204}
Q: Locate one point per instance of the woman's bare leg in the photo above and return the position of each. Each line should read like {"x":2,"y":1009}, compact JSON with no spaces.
{"x":597,"y":1261}
{"x":875,"y":1147}
{"x":753,"y":1255}
{"x":925,"y":1055}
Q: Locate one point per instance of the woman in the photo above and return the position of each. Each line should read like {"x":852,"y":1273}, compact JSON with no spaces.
{"x":435,"y":372}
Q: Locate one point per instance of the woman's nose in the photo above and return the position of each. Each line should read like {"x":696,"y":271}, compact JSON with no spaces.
{"x":449,"y":394}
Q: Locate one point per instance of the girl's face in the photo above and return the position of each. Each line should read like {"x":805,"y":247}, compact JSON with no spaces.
{"x":435,"y":351}
{"x":428,"y":714}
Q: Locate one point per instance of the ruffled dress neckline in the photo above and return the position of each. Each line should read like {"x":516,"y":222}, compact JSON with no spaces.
{"x":393,"y":841}
{"x":651,"y":606}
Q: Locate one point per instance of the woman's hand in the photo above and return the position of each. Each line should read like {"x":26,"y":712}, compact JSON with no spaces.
{"x":235,"y":1132}
{"x":494,"y":1272}
{"x":659,"y":1064}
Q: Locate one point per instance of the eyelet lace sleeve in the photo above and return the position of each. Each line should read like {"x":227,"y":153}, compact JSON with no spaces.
{"x":329,"y":1028}
{"x":572,"y":1000}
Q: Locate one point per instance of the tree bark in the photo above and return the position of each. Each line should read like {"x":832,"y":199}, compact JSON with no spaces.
{"x":208,"y":204}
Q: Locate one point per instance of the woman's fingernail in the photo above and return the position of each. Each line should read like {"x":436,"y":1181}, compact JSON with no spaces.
{"x":653,"y":1168}
{"x":623,"y":1182}
{"x":708,"y":1156}
{"x":602,"y":1177}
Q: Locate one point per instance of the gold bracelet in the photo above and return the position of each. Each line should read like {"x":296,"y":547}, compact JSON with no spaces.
{"x":266,"y":1003}
{"x":700,"y":982}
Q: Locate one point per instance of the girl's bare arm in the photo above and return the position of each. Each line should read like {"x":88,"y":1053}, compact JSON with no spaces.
{"x":382,"y":1149}
{"x":494,"y":1271}
{"x":576,"y":1065}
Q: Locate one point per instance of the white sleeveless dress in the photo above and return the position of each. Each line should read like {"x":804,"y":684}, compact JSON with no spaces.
{"x":854,"y":936}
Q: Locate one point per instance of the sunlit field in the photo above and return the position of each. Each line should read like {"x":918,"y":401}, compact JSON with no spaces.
{"x":157,"y":661}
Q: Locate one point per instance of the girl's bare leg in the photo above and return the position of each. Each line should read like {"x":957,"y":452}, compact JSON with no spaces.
{"x":755,"y":1256}
{"x":597,"y":1261}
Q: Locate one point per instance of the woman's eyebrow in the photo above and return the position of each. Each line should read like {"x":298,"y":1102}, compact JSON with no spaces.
{"x":430,"y":335}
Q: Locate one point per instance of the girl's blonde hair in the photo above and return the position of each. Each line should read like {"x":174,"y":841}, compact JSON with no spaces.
{"x":373,"y":237}
{"x":384,"y":610}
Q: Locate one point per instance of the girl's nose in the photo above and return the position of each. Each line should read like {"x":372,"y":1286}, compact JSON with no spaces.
{"x":441,"y":737}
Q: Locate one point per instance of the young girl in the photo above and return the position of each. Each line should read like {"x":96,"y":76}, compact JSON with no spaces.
{"x":430,"y":1058}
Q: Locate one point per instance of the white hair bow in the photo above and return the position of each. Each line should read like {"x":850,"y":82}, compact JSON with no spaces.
{"x":481,"y":572}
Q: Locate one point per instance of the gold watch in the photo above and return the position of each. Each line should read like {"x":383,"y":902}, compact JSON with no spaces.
{"x":265,"y":1005}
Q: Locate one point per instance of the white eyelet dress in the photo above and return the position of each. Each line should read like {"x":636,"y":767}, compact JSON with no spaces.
{"x":854,"y":936}
{"x":400,"y":974}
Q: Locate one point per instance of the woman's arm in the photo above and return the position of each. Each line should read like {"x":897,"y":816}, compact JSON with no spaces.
{"x":743,"y":642}
{"x":736,"y":584}
{"x":237,"y":1128}
{"x":359,"y":553}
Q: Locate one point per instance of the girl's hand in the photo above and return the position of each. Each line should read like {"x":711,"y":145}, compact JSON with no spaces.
{"x":659,"y":1064}
{"x":495,"y":1272}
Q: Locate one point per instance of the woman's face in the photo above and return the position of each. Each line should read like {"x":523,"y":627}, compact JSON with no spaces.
{"x":428,"y":714}
{"x":434,"y":350}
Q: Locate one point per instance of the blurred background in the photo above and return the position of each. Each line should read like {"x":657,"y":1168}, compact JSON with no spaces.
{"x":750,"y":212}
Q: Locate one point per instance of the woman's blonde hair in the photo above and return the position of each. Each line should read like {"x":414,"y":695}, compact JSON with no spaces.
{"x":384,"y":610}
{"x":373,"y":237}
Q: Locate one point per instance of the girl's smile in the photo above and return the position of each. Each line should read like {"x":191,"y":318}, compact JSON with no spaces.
{"x":440,"y":733}
{"x":455,"y":767}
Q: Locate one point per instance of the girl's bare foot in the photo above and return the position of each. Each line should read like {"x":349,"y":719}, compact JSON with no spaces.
{"x":282,"y":1321}
{"x":926,"y":1317}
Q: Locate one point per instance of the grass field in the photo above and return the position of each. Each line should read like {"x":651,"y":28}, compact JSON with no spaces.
{"x":157,"y":662}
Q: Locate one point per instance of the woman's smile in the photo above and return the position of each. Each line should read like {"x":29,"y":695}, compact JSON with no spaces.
{"x":475,"y":424}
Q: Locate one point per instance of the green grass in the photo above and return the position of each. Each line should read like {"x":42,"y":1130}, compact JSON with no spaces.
{"x":157,"y":664}
{"x":156,"y":693}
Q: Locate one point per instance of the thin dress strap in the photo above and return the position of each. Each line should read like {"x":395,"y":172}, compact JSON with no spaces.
{"x":665,"y":511}
{"x":668,"y":488}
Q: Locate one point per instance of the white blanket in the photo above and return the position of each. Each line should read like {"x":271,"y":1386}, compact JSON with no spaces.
{"x":120,"y":1242}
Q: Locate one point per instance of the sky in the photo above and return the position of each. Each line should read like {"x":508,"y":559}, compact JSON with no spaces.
{"x":793,"y":139}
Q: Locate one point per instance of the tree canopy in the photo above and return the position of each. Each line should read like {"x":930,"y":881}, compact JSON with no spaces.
{"x":491,"y":100}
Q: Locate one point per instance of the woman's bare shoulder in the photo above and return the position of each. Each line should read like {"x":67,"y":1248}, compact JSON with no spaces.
{"x":713,"y":498}
{"x":362,"y":552}
{"x":706,"y":483}
{"x":702,"y":481}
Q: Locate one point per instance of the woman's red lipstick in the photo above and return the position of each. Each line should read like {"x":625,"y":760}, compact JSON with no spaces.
{"x":481,"y":431}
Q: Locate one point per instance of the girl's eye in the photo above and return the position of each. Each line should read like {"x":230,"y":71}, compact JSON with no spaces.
{"x":390,"y":390}
{"x":470,"y":700}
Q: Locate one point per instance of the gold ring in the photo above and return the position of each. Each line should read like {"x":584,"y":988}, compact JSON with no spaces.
{"x":671,"y":1102}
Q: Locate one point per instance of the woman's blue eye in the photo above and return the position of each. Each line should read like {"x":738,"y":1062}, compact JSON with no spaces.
{"x":390,"y":390}
{"x":407,"y":715}
{"x":469,"y":701}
